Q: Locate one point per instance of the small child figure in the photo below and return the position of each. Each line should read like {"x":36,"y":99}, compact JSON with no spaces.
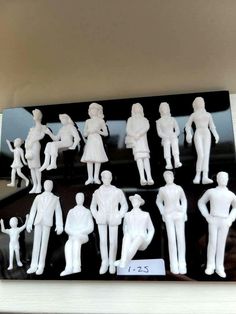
{"x":14,"y":233}
{"x":17,"y":164}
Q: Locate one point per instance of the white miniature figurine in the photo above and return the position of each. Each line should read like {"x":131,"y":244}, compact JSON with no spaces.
{"x":79,"y":224}
{"x":168,"y":131}
{"x":136,"y":130}
{"x":105,"y":209}
{"x":18,"y":161}
{"x":41,"y":215}
{"x":94,"y":152}
{"x":32,"y":147}
{"x":14,"y":233}
{"x":172,"y":204}
{"x":67,"y":138}
{"x":219,"y":219}
{"x":138,"y":231}
{"x":202,"y":138}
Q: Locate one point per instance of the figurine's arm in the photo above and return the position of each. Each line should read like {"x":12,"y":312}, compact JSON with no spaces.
{"x":150,"y":230}
{"x":9,"y":146}
{"x":32,"y":215}
{"x":183,"y":202}
{"x":176,"y":127}
{"x":188,"y":129}
{"x":202,"y":205}
{"x":123,"y":204}
{"x":76,"y":137}
{"x":24,"y":225}
{"x":86,"y":129}
{"x":3,"y":227}
{"x":213,"y":129}
{"x":103,"y":130}
{"x":22,"y":157}
{"x":144,"y":129}
{"x":129,"y":130}
{"x":53,"y":137}
{"x":90,"y":225}
{"x":160,"y":202}
{"x":93,"y":206}
{"x":59,"y":221}
{"x":159,"y":130}
{"x":232,"y":214}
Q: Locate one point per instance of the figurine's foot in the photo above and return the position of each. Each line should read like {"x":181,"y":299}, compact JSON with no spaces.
{"x":169,"y":167}
{"x":52,"y":166}
{"x":33,"y":190}
{"x":150,"y":182}
{"x":174,"y":270}
{"x":43,"y":168}
{"x":117,"y":263}
{"x":89,"y":181}
{"x":143,"y":182}
{"x":103,"y":269}
{"x":182,"y":269}
{"x":40,"y":270}
{"x":11,"y":184}
{"x":178,"y":164}
{"x":10,"y":267}
{"x":97,"y":181}
{"x":206,"y":181}
{"x":19,"y":264}
{"x":27,"y":182}
{"x":221,"y":272}
{"x":112,"y":269}
{"x":32,"y":270}
{"x":209,"y":270}
{"x":66,"y":272}
{"x":38,"y":189}
{"x":196,"y":180}
{"x":76,"y":270}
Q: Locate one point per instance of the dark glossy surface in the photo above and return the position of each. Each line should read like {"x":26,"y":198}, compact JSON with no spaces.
{"x":71,"y":174}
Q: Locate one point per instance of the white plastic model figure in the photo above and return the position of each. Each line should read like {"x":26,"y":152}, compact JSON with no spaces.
{"x":94,"y":152}
{"x":138,"y":231}
{"x":32,"y":148}
{"x":172,"y":204}
{"x":79,"y":223}
{"x":41,"y":215}
{"x":18,"y":161}
{"x":14,"y":233}
{"x":202,"y":138}
{"x":168,"y":131}
{"x":136,"y":130}
{"x":67,"y":138}
{"x":219,"y":219}
{"x":105,"y":209}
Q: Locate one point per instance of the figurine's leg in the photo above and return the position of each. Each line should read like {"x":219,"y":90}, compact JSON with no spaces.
{"x":34,"y":180}
{"x":43,"y":250}
{"x":102,"y":230}
{"x":200,"y":153}
{"x":11,"y":255}
{"x":113,"y":234}
{"x":68,"y":257}
{"x":53,"y":163}
{"x":132,"y":250}
{"x":167,"y":156}
{"x":175,"y":152}
{"x":17,"y":253}
{"x":211,"y":248}
{"x":46,"y":160}
{"x":36,"y":248}
{"x":126,"y":243}
{"x":76,"y":256}
{"x":180,"y":226}
{"x":97,"y":167}
{"x":21,"y":175}
{"x":38,"y":177}
{"x":147,"y":168}
{"x":205,"y":167}
{"x":90,"y":173}
{"x":220,"y":250}
{"x":13,"y":177}
{"x":170,"y":228}
{"x":140,"y":166}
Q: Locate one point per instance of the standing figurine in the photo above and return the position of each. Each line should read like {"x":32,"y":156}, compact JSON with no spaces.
{"x":168,"y":131}
{"x":32,"y":148}
{"x":138,"y":231}
{"x":105,"y":209}
{"x":79,"y":224}
{"x":219,"y":219}
{"x":202,"y":138}
{"x":67,"y":138}
{"x":94,"y":152}
{"x":17,"y":164}
{"x":41,"y":215}
{"x":136,"y":130}
{"x":172,"y":204}
{"x":14,"y":233}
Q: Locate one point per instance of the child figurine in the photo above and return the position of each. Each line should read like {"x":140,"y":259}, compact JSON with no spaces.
{"x":17,"y":164}
{"x":14,"y":233}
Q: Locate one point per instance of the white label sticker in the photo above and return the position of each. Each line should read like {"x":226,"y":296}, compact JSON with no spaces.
{"x":143,"y":267}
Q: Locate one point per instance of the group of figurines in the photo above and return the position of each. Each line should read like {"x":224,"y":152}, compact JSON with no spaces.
{"x":109,"y":205}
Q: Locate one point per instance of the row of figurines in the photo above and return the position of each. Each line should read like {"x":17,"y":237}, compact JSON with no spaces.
{"x":108,"y":208}
{"x":136,"y":138}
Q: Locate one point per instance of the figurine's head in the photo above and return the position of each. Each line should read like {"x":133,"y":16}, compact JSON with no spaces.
{"x":168,"y":177}
{"x":13,"y":222}
{"x":79,"y":198}
{"x":94,"y":109}
{"x":106,"y":177}
{"x":37,"y":115}
{"x":164,"y":109}
{"x":198,"y":103}
{"x":136,"y":200}
{"x":222,"y":178}
{"x":137,"y":109}
{"x":65,"y":119}
{"x":18,"y":142}
{"x":48,"y":185}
